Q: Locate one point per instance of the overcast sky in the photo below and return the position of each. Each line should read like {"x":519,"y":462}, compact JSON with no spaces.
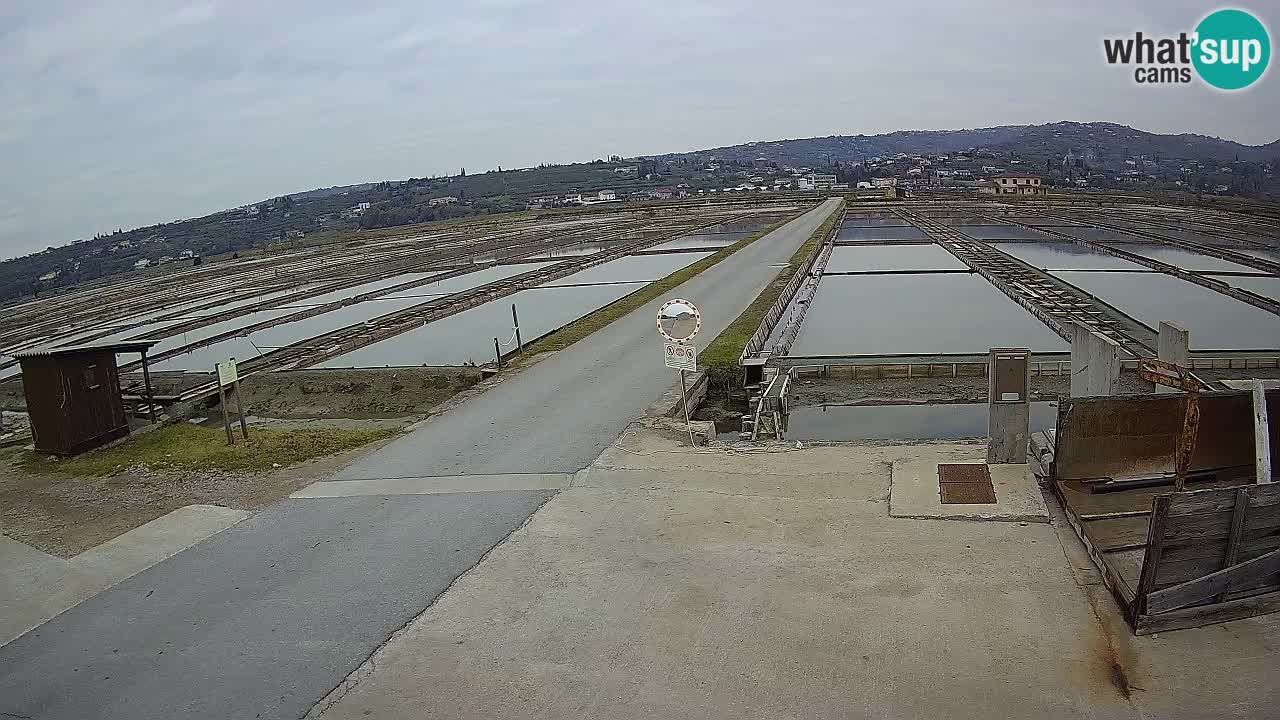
{"x":131,"y":112}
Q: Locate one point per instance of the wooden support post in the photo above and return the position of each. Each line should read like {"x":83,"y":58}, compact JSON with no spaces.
{"x":1234,"y":535}
{"x":226,"y":420}
{"x":1261,"y":433}
{"x":244,"y":426}
{"x":1151,"y":559}
{"x":497,"y":352}
{"x":146,"y":381}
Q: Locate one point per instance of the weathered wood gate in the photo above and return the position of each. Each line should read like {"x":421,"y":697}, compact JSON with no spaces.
{"x":1172,"y":559}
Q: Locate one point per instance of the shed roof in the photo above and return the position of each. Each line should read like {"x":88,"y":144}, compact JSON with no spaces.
{"x":54,"y":350}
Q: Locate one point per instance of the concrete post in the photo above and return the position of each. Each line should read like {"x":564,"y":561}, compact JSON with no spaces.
{"x":1173,"y":346}
{"x":1009,"y":402}
{"x":1095,"y":363}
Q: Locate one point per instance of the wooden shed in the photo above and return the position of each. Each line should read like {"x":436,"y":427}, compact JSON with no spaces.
{"x":73,"y":394}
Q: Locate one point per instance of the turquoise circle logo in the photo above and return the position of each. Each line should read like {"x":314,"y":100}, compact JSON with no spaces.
{"x":1232,"y":49}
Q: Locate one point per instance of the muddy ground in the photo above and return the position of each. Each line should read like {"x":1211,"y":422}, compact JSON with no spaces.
{"x":66,"y":515}
{"x":352,"y":394}
{"x":830,"y":391}
{"x":809,"y":391}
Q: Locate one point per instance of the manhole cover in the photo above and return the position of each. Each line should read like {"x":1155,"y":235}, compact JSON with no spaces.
{"x":965,"y":484}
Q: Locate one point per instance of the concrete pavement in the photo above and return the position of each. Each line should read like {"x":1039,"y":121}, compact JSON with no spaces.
{"x":559,"y":414}
{"x":262,"y":619}
{"x":677,"y":583}
{"x":37,"y":586}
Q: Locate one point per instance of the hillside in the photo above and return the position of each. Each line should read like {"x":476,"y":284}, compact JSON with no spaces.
{"x":1106,"y":141}
{"x":1108,"y":155}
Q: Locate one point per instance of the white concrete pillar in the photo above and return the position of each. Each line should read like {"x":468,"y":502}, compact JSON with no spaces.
{"x":1095,"y":363}
{"x":1174,"y":346}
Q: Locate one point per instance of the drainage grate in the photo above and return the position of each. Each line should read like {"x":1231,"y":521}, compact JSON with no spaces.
{"x":965,"y":484}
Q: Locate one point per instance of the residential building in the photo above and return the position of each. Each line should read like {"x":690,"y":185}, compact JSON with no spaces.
{"x":446,"y":200}
{"x":882,"y":182}
{"x":606,"y":196}
{"x":1019,"y":185}
{"x":822,"y":182}
{"x":143,"y":263}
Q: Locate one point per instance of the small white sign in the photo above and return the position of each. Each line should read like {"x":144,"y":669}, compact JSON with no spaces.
{"x":227,"y":373}
{"x":680,"y":356}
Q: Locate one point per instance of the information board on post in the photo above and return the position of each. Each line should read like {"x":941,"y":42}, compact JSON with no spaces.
{"x":680,"y":356}
{"x":227,"y":373}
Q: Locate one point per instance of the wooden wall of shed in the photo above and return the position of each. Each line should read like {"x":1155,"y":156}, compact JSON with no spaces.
{"x":1135,"y":435}
{"x":68,"y":416}
{"x":42,"y":386}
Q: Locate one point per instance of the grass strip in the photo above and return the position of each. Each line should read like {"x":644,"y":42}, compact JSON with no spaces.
{"x":588,"y":324}
{"x":184,"y":446}
{"x":720,"y":356}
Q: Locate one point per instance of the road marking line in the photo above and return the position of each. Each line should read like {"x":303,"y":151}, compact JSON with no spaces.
{"x":435,"y":485}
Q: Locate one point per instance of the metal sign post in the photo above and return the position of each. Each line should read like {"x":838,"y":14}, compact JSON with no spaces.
{"x":515,"y":320}
{"x":1168,"y":374}
{"x":678,"y":322}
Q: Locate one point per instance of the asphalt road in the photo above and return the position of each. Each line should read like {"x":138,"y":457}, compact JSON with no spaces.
{"x":558,"y":415}
{"x":264,"y":619}
{"x":261,"y":620}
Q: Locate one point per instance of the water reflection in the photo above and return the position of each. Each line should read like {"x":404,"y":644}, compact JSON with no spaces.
{"x":873,"y":258}
{"x":1065,"y":256}
{"x":1216,"y":321}
{"x":916,"y":314}
{"x":903,"y":422}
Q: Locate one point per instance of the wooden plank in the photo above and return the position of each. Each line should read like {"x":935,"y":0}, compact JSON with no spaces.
{"x":1120,"y":589}
{"x":1123,"y":533}
{"x":1155,"y":545}
{"x":1207,"y":614}
{"x":1196,"y":590}
{"x":1197,"y":502}
{"x":1217,"y":526}
{"x":1261,"y":435}
{"x":1116,"y":515}
{"x":1126,"y":565}
{"x":1232,"y":554}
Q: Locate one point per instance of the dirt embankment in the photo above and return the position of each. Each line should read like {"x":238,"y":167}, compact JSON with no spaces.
{"x":843,"y":390}
{"x":357,"y":394}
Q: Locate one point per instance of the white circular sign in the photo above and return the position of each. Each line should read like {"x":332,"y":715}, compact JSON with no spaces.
{"x":679,"y":320}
